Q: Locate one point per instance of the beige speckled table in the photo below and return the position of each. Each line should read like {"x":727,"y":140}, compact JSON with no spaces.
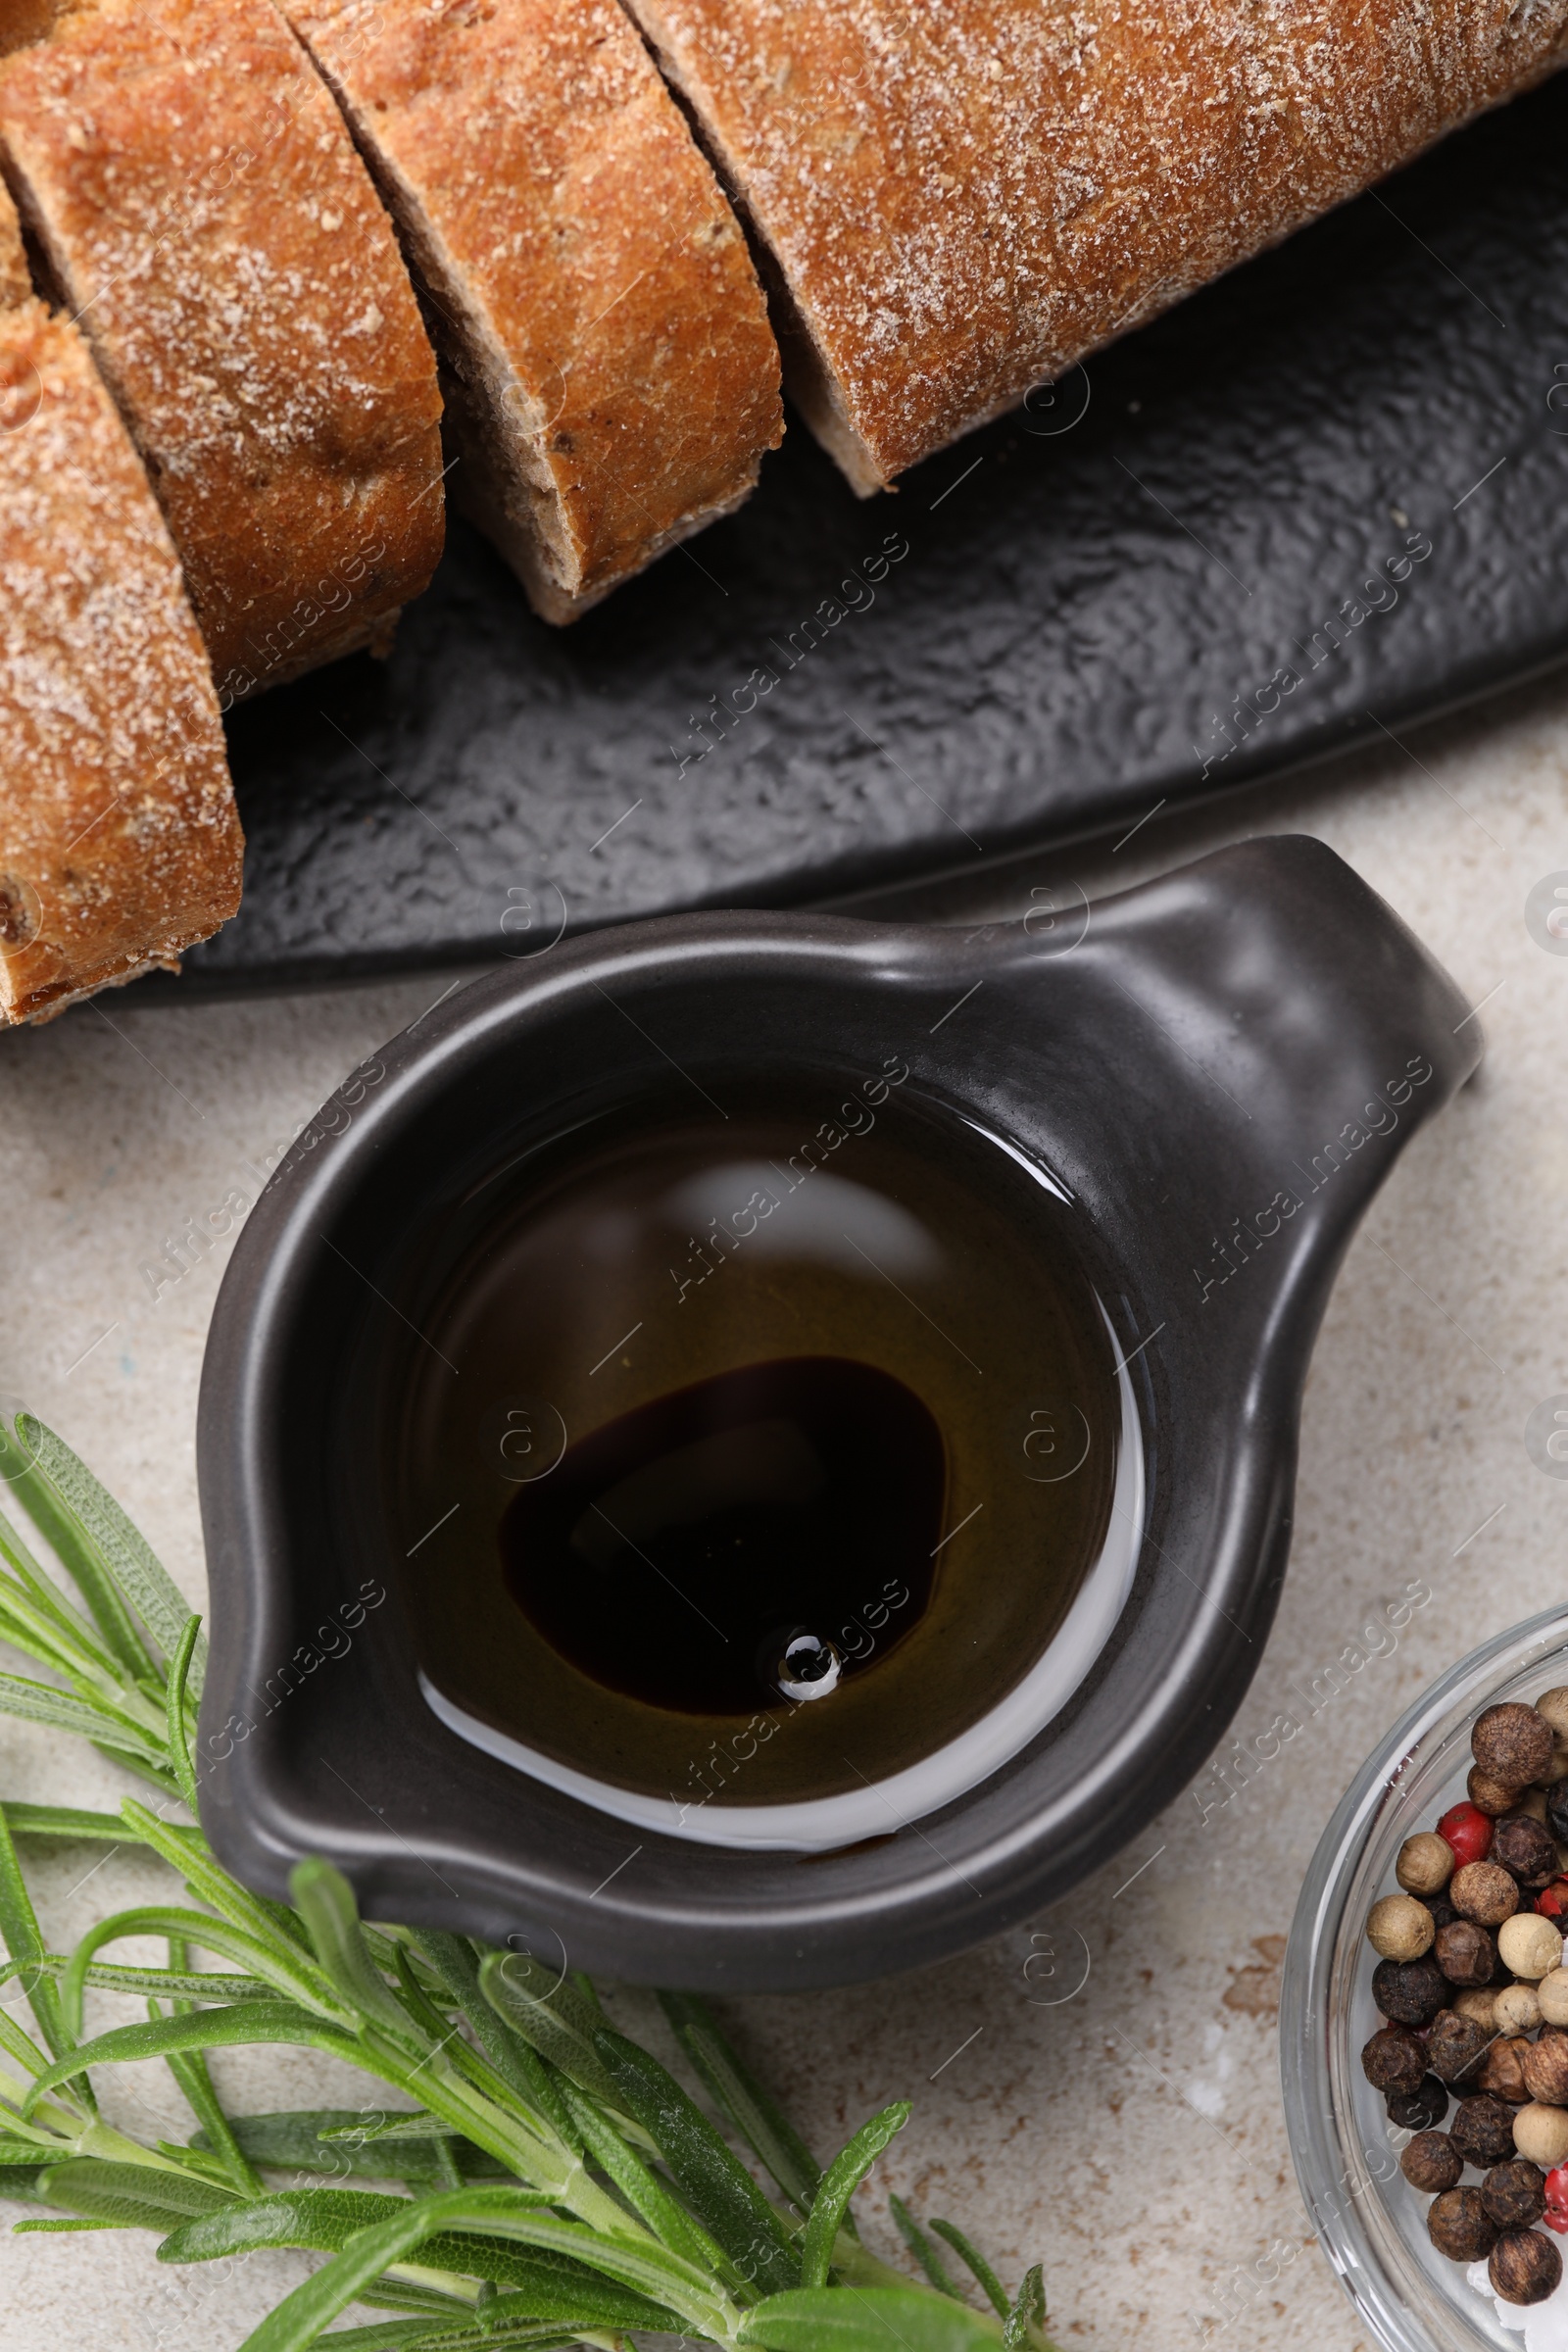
{"x":1130,"y":2136}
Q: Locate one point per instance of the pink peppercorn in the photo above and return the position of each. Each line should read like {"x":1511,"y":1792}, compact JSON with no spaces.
{"x":1467,"y":1831}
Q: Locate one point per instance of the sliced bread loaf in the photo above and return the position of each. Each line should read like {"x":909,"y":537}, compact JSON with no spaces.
{"x":16,"y":280}
{"x":203,"y":212}
{"x":25,"y":21}
{"x":118,"y":839}
{"x":962,"y":197}
{"x":611,"y":378}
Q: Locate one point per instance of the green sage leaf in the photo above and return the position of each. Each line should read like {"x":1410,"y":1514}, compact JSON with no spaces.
{"x":838,"y":2184}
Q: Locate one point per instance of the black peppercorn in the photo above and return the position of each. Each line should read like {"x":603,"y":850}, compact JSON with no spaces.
{"x":1432,"y":2162}
{"x":1410,"y":1992}
{"x":1514,"y":2194}
{"x":1460,"y":2226}
{"x":1502,"y":2071}
{"x":1465,"y":1953}
{"x":1557,"y":1810}
{"x":1443,"y":1911}
{"x":1511,"y":1742}
{"x":1522,"y":1846}
{"x":1545,"y":2066}
{"x":1489,"y":1795}
{"x":1419,"y":2109}
{"x":1525,"y":2267}
{"x":1455,"y":2045}
{"x":1482,"y":2129}
{"x":1484,"y":1892}
{"x":1394,"y":2059}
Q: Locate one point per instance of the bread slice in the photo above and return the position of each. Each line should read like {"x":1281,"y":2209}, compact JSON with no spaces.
{"x":119,"y":844}
{"x":22,"y":21}
{"x":203,"y":212}
{"x":16,"y":279}
{"x":611,"y":378}
{"x":963,"y":197}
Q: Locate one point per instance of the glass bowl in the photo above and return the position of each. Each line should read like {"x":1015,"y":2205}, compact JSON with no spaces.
{"x":1370,"y":2221}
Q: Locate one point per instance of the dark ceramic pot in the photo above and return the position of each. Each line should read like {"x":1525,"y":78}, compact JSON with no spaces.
{"x":1217,"y":1069}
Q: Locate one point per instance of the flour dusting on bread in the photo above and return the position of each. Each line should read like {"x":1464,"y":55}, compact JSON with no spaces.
{"x":611,"y":378}
{"x":119,"y":844}
{"x":962,"y":197}
{"x":202,"y":208}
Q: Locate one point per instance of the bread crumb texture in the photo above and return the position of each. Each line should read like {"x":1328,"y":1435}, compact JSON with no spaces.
{"x":965,"y":196}
{"x":119,"y":844}
{"x":204,"y":211}
{"x":612,"y":377}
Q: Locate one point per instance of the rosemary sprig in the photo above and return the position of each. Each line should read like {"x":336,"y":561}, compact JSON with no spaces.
{"x":558,"y":2186}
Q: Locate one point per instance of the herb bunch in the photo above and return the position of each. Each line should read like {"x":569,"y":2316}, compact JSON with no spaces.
{"x":558,"y":2185}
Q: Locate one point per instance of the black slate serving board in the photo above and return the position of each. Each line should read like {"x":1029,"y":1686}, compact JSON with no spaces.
{"x":1099,"y":604}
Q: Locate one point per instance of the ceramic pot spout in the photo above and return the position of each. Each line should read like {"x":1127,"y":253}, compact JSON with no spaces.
{"x":1264,"y":1036}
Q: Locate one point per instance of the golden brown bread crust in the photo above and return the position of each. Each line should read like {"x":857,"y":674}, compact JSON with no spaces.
{"x":204,"y":210}
{"x":26,"y":21}
{"x":15,"y":283}
{"x":611,"y":374}
{"x":965,"y":196}
{"x":118,"y":839}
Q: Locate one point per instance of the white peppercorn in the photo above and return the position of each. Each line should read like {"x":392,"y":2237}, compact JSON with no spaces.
{"x":1426,"y":1862}
{"x":1529,"y":1944}
{"x":1517,"y":2009}
{"x":1399,"y":1928}
{"x":1541,"y":2135}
